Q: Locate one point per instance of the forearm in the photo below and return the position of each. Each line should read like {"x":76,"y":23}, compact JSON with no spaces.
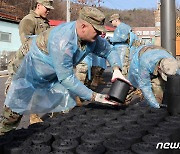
{"x":149,"y":96}
{"x":114,"y":60}
{"x":77,"y":87}
{"x":26,"y":28}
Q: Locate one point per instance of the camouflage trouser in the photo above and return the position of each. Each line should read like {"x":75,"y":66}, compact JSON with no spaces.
{"x":131,"y":93}
{"x":158,"y":86}
{"x":81,"y":71}
{"x":15,"y":63}
{"x":82,"y":74}
{"x":96,"y":75}
{"x":9,"y":120}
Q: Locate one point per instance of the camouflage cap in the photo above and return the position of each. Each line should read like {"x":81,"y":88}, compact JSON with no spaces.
{"x":93,"y":16}
{"x":113,"y":17}
{"x":47,"y":3}
{"x":168,"y":66}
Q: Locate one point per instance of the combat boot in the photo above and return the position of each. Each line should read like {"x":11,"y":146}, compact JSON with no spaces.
{"x":95,"y":82}
{"x":34,"y":118}
{"x":9,"y":120}
{"x":101,"y":81}
{"x":78,"y":101}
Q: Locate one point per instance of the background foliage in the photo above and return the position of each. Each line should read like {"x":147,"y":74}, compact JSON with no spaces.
{"x":135,"y":17}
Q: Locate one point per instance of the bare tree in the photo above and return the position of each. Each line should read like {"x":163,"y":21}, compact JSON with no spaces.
{"x":136,"y":17}
{"x":89,"y":2}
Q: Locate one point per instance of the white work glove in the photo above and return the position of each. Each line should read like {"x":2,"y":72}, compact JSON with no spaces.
{"x":103,"y":99}
{"x":163,"y":106}
{"x":118,"y":75}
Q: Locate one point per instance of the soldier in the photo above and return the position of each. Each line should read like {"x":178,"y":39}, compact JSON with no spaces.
{"x":45,"y":81}
{"x":36,"y":21}
{"x":32,"y":24}
{"x":120,"y":26}
{"x":119,"y":42}
{"x":98,"y":67}
{"x":90,"y":71}
{"x":147,"y":67}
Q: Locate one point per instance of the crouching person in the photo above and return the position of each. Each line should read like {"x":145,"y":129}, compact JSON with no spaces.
{"x":45,"y":81}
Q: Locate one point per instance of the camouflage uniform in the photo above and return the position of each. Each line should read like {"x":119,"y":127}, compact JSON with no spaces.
{"x":9,"y":119}
{"x":157,"y":82}
{"x":31,"y":24}
{"x":82,"y":74}
{"x":96,"y":77}
{"x":165,"y":66}
{"x":158,"y":87}
{"x":81,"y":71}
{"x":82,"y":68}
{"x":41,"y":42}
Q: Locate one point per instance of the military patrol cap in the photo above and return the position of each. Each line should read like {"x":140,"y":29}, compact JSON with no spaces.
{"x":168,"y":66}
{"x":47,"y":3}
{"x":113,"y":17}
{"x":93,"y":16}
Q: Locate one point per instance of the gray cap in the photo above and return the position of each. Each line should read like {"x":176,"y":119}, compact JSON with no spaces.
{"x":93,"y":16}
{"x":47,"y":3}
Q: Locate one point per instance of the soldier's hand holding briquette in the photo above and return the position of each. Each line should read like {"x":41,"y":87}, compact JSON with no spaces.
{"x":102,"y":98}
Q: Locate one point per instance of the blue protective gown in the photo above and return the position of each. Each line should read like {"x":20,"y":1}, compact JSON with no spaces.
{"x":120,"y":34}
{"x":122,"y":47}
{"x":119,"y":40}
{"x":46,"y":82}
{"x":141,"y":68}
{"x":94,"y":60}
{"x":98,"y":61}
